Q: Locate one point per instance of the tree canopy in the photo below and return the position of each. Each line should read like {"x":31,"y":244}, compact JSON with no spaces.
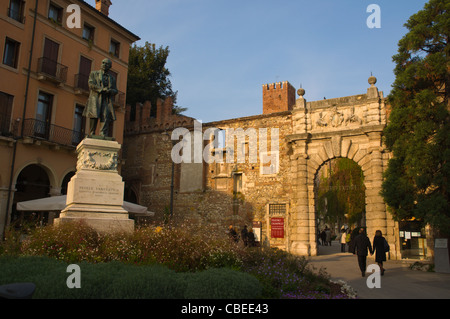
{"x":148,"y":76}
{"x":341,"y":194}
{"x":416,"y":181}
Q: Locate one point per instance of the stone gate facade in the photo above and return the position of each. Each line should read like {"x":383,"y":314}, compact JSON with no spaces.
{"x":348,"y":127}
{"x":279,"y":205}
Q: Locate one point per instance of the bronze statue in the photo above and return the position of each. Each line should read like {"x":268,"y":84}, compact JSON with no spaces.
{"x":100,"y":103}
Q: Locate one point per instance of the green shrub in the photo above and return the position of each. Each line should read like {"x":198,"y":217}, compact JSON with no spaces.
{"x":223,"y":283}
{"x":280,"y":272}
{"x":47,"y":274}
{"x":147,"y":282}
{"x":175,"y":262}
{"x":116,"y":280}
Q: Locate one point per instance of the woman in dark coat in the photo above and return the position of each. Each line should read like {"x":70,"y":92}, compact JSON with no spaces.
{"x":379,"y":249}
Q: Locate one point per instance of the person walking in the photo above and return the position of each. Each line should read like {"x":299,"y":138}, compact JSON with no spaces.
{"x":233,"y":234}
{"x":244,"y":235}
{"x":361,"y":247}
{"x":318,"y":235}
{"x":251,"y":238}
{"x":323,"y":237}
{"x":328,"y":235}
{"x":343,"y":239}
{"x":380,"y":248}
{"x":351,"y":240}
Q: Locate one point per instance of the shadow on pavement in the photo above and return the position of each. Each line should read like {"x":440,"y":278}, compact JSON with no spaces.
{"x":398,"y":282}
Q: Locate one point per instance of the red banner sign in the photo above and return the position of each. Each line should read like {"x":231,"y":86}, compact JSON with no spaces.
{"x":277,"y":224}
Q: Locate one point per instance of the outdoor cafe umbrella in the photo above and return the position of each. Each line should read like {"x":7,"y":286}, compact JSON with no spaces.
{"x":58,"y":203}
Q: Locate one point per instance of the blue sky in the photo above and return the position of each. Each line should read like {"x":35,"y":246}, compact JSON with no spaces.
{"x":223,"y":51}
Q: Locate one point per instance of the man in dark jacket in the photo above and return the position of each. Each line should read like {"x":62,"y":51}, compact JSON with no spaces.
{"x":233,"y":235}
{"x":360,"y":247}
{"x":244,"y":235}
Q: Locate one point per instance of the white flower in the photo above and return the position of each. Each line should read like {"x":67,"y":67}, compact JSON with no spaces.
{"x":346,"y":289}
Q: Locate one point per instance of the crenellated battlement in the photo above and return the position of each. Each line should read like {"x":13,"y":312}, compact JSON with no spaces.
{"x":277,"y":86}
{"x":142,"y":120}
{"x":278,"y":97}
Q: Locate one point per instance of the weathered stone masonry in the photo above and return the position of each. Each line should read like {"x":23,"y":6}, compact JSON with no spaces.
{"x":310,"y":134}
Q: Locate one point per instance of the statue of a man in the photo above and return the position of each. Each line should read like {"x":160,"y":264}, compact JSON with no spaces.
{"x":99,"y":106}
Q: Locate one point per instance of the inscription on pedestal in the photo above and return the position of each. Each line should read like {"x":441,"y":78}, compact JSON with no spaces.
{"x":92,"y":191}
{"x":99,"y":191}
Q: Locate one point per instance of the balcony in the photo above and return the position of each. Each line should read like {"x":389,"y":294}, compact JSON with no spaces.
{"x":52,"y":71}
{"x":41,"y":130}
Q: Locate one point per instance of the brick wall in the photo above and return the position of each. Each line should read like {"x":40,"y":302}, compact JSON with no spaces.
{"x":278,"y":97}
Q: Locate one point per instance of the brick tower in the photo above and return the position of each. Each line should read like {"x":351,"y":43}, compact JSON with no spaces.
{"x":278,"y":97}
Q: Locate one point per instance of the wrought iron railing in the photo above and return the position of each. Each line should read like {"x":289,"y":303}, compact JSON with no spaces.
{"x":52,"y":69}
{"x":50,"y":132}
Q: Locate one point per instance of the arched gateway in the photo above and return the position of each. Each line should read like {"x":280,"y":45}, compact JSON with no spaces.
{"x":277,"y":199}
{"x":348,"y":127}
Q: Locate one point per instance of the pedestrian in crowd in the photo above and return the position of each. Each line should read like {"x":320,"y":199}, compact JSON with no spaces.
{"x":380,"y":248}
{"x":233,"y":234}
{"x":351,"y":240}
{"x":244,"y":235}
{"x":348,"y":237}
{"x":251,"y":238}
{"x":343,"y":239}
{"x":328,"y":235}
{"x":318,"y":237}
{"x":361,"y":248}
{"x":323,"y":237}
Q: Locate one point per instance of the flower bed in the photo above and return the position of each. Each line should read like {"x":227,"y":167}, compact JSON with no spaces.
{"x":185,"y":248}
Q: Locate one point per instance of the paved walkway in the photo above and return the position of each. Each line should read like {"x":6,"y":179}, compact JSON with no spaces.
{"x":398,"y":282}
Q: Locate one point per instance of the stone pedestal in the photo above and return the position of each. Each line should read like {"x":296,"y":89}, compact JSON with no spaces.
{"x":95,"y":193}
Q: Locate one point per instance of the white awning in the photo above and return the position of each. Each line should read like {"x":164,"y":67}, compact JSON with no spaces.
{"x":58,"y":203}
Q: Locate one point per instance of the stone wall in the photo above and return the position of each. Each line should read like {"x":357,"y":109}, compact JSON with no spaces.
{"x":230,"y":192}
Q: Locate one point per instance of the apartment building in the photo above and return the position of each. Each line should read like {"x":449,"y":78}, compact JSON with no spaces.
{"x":48,"y":48}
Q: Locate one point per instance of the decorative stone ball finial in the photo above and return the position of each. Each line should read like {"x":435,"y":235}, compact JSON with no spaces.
{"x":300,"y":103}
{"x":372,"y":80}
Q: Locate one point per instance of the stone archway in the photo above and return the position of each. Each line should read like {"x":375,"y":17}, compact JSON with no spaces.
{"x":130,"y":195}
{"x":339,"y":192}
{"x":32,"y":182}
{"x":348,"y":127}
{"x":65,"y":181}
